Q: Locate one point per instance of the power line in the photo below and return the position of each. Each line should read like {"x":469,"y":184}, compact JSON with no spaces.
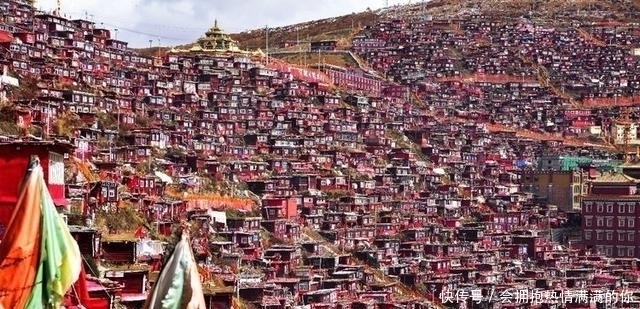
{"x":69,"y":15}
{"x":144,"y":33}
{"x":171,"y":27}
{"x":72,"y":14}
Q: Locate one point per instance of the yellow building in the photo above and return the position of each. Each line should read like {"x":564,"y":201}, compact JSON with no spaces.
{"x":564,"y":189}
{"x":618,"y":133}
{"x":215,"y":40}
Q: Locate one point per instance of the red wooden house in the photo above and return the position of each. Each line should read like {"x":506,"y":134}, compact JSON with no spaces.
{"x":119,"y":250}
{"x":148,"y":184}
{"x":284,"y":259}
{"x":134,"y":280}
{"x":14,"y":159}
{"x":275,"y":213}
{"x":279,"y":208}
{"x":105,"y":191}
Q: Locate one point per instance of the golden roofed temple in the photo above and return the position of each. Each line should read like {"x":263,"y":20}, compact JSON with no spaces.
{"x":215,"y":40}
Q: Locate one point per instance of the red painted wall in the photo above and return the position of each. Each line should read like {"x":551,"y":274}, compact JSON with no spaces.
{"x":291,"y":209}
{"x":14,"y":161}
{"x":13,"y":167}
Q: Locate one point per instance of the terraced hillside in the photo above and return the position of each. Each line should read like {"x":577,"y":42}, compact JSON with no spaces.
{"x":342,"y":28}
{"x":336,"y":28}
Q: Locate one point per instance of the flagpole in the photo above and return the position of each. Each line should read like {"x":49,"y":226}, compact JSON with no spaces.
{"x":48,"y":120}
{"x":238,"y":263}
{"x":267,"y":41}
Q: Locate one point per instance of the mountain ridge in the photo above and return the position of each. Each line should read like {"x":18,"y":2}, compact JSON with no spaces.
{"x":552,"y":11}
{"x":343,"y":28}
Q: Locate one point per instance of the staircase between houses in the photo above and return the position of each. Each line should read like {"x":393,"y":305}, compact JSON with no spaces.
{"x":363,"y":65}
{"x":377,"y":273}
{"x":565,"y":235}
{"x":456,"y":29}
{"x":590,"y":38}
{"x":543,"y":79}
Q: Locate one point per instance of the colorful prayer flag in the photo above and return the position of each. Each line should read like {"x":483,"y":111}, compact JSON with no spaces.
{"x":39,"y":259}
{"x":178,"y":286}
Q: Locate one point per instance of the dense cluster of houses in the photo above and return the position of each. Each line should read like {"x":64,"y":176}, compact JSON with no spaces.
{"x":534,"y":76}
{"x":399,"y":198}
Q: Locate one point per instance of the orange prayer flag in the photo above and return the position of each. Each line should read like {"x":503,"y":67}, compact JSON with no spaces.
{"x":20,"y":249}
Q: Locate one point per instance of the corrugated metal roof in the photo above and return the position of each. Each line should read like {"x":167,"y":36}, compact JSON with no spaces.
{"x":614,"y":178}
{"x":573,"y":162}
{"x":570,"y":163}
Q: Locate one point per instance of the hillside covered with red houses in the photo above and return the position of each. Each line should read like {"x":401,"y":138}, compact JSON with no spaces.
{"x":462,"y":161}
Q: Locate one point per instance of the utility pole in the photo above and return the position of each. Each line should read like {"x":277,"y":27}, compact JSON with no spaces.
{"x":118,"y":123}
{"x":307,"y":50}
{"x":117,"y":133}
{"x":237,"y":287}
{"x":266,"y":29}
{"x":549,"y":226}
{"x":158,"y":48}
{"x":48,"y":120}
{"x":298,"y":44}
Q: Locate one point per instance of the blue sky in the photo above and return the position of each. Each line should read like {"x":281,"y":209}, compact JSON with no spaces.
{"x":176,"y":22}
